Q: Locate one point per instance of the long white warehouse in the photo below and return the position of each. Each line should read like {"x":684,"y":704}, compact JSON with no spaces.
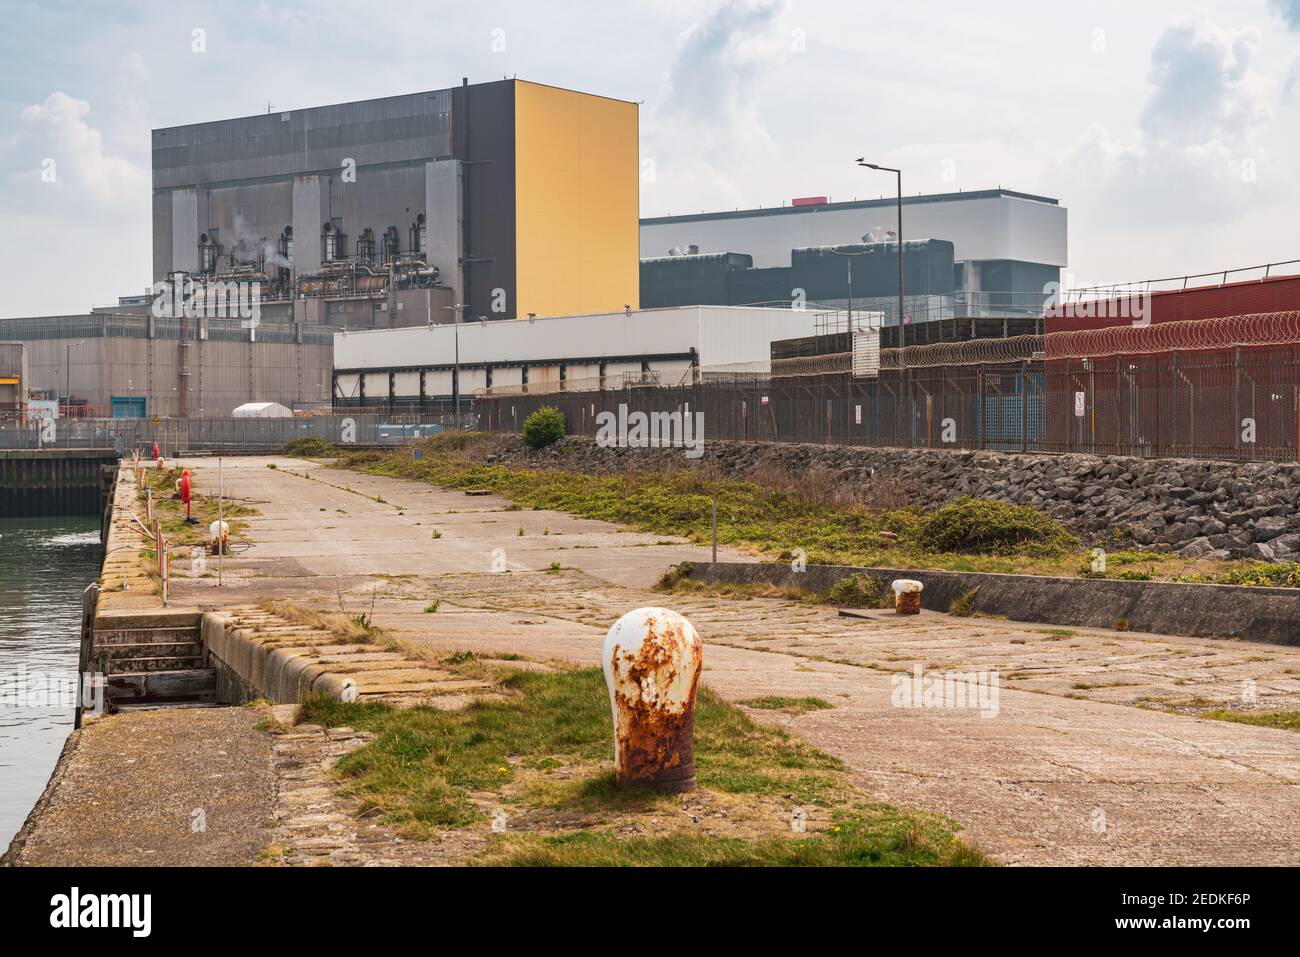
{"x":414,"y":366}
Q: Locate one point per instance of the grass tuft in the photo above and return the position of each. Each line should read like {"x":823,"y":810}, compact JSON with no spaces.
{"x":544,"y":742}
{"x":774,"y":702}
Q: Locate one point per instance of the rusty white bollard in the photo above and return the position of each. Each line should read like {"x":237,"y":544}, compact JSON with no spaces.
{"x":652,"y":662}
{"x":907,"y":596}
{"x":218,"y":537}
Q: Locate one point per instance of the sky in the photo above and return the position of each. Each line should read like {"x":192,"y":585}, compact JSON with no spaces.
{"x":1170,"y":130}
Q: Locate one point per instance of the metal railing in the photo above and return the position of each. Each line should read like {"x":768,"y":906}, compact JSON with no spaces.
{"x":930,"y":307}
{"x":229,"y":435}
{"x":1177,"y":283}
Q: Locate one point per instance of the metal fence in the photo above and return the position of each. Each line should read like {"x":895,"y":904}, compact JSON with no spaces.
{"x":228,"y":435}
{"x":1242,"y":406}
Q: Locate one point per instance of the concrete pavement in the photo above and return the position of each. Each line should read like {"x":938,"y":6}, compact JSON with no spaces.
{"x":1077,"y":766}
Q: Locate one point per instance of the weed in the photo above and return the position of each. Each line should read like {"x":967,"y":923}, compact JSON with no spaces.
{"x":789,"y":705}
{"x":964,"y":606}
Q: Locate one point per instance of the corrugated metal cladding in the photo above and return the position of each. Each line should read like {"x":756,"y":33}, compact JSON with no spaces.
{"x":412,"y":128}
{"x":1281,"y":294}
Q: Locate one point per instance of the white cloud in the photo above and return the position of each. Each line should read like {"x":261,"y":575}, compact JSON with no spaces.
{"x":82,"y":237}
{"x":1288,"y":10}
{"x":57,"y":130}
{"x":707,"y":126}
{"x":1206,"y":157}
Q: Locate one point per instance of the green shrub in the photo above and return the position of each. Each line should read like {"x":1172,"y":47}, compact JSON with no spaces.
{"x":676,"y":573}
{"x":858,"y":591}
{"x":543,"y":427}
{"x":990,"y":527}
{"x":312,"y":447}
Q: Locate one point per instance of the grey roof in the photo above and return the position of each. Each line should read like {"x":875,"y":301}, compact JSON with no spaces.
{"x":391,"y":130}
{"x":888,"y":202}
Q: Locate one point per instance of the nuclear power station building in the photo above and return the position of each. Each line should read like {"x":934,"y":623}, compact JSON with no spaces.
{"x":498,"y":200}
{"x":501,"y":199}
{"x":277,"y":236}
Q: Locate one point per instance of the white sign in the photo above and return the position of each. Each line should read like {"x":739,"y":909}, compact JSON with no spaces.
{"x":857,"y":415}
{"x":43,"y":409}
{"x":1080,"y":403}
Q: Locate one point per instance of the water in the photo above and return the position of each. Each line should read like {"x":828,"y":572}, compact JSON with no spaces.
{"x":45,"y":564}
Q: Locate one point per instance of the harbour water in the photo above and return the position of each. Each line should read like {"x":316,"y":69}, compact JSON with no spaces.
{"x":45,"y":564}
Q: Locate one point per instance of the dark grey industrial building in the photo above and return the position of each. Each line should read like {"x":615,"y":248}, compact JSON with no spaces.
{"x":982,"y":253}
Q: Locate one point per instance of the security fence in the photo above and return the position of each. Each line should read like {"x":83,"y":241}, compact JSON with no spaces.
{"x":1235,"y":394}
{"x":226,"y":435}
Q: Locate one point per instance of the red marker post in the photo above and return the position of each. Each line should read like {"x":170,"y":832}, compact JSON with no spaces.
{"x":185,"y":494}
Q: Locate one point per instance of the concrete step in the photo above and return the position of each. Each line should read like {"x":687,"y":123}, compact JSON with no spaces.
{"x":141,"y":687}
{"x":158,"y":618}
{"x":153,"y":649}
{"x":104,"y":637}
{"x":169,"y":663}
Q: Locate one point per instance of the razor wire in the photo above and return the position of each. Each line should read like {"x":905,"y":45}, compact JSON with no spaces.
{"x":1184,"y":335}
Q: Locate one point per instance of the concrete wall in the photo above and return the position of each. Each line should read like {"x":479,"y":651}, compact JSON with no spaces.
{"x":42,"y":482}
{"x":223,"y":374}
{"x":444,"y":190}
{"x":1245,"y":613}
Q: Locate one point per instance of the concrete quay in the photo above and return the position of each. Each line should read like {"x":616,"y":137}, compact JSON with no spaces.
{"x":1087,"y":729}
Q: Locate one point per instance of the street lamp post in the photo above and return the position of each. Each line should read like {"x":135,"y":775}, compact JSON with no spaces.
{"x":67,"y":373}
{"x":902,"y":361}
{"x":455,"y":373}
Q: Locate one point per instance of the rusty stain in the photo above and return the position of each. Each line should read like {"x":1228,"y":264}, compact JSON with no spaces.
{"x":908,"y":603}
{"x":654,"y":719}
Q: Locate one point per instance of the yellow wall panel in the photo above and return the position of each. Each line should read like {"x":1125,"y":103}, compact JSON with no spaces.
{"x":577,"y":202}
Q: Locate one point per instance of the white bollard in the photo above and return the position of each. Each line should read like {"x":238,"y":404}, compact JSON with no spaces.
{"x":652,"y":659}
{"x":907,"y":596}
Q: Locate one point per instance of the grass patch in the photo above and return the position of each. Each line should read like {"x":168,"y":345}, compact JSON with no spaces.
{"x":774,"y":702}
{"x":834,"y":522}
{"x":1262,"y":574}
{"x":310,"y":448}
{"x":871,"y":836}
{"x":351,"y":629}
{"x":858,"y":591}
{"x":990,"y":536}
{"x":1285,"y":720}
{"x":985,"y":526}
{"x":170,"y":510}
{"x":427,"y":770}
{"x":1057,"y":632}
